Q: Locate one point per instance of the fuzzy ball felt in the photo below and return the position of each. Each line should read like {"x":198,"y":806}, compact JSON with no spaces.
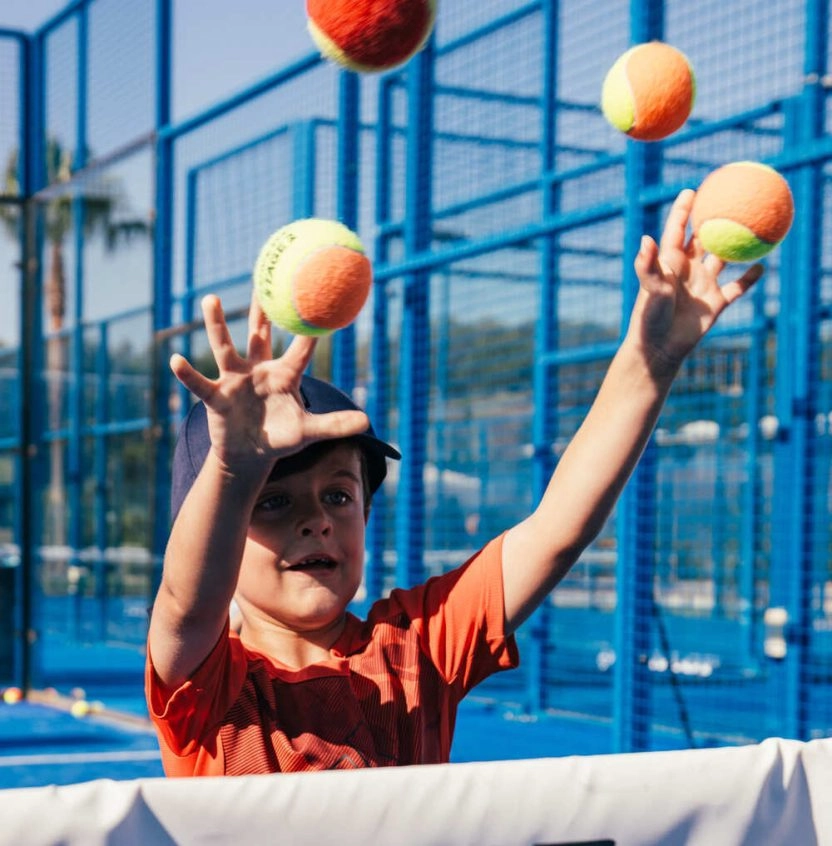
{"x":312,"y":277}
{"x":370,"y":35}
{"x":742,"y":211}
{"x":649,"y":91}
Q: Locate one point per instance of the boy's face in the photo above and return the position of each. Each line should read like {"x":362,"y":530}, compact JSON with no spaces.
{"x":304,"y":553}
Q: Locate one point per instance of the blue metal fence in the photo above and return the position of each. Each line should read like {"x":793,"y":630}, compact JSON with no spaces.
{"x":503,"y":215}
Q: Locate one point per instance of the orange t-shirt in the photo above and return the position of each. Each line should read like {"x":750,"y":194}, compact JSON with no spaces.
{"x":388,"y":695}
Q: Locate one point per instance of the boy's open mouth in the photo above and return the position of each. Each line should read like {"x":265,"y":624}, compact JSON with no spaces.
{"x":315,"y":562}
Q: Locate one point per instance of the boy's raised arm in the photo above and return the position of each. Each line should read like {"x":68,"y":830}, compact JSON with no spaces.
{"x":255,"y":417}
{"x":680,"y":298}
{"x":202,"y":561}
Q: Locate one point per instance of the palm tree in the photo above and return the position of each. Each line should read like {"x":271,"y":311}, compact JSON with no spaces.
{"x":98,"y":205}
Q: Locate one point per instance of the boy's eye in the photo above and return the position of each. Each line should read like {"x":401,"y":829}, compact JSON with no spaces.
{"x":338,"y":497}
{"x":272,"y":502}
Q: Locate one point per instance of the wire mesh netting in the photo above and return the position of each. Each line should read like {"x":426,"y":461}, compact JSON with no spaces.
{"x":498,"y":206}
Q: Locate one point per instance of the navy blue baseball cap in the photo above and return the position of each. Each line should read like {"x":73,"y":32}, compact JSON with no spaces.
{"x":319,"y":397}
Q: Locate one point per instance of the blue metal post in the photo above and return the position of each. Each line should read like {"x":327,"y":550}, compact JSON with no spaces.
{"x":752,"y":492}
{"x":349,"y":157}
{"x":102,"y":490}
{"x":788,"y":482}
{"x":635,"y":515}
{"x":164,"y":61}
{"x":30,"y":170}
{"x":544,"y":422}
{"x":162,"y":282}
{"x":718,"y":515}
{"x":187,"y":310}
{"x":441,"y":534}
{"x":304,"y":151}
{"x":414,"y":373}
{"x":191,"y":211}
{"x":797,"y":374}
{"x":75,"y":452}
{"x":377,"y":395}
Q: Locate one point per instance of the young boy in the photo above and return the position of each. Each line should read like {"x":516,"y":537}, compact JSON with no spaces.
{"x":274,"y":473}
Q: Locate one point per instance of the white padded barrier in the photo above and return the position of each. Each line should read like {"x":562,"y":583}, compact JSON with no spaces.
{"x":778,"y":793}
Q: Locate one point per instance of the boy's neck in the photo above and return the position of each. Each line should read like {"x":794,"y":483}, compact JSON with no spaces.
{"x":290,"y":648}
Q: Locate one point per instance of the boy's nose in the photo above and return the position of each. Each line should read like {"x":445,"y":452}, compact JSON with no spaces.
{"x":318,"y":528}
{"x":314,"y":522}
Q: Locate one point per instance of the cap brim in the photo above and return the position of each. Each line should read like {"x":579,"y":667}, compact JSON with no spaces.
{"x":379,"y":446}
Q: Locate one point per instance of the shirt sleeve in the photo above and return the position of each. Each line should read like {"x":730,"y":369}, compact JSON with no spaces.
{"x":186,"y":717}
{"x":461,"y":618}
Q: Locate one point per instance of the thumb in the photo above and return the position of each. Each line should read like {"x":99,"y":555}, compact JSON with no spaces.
{"x":335,"y":424}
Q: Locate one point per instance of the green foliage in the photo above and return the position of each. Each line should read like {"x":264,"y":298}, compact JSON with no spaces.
{"x":102,"y":201}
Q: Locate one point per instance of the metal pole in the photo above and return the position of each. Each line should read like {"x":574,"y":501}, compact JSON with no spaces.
{"x":31,"y":170}
{"x":349,"y":152}
{"x":635,"y":515}
{"x":162,"y":293}
{"x":798,"y":335}
{"x":377,"y":396}
{"x":545,"y":386}
{"x":414,"y":371}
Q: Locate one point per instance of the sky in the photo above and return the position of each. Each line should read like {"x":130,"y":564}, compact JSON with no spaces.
{"x":244,"y":39}
{"x":28,"y":14}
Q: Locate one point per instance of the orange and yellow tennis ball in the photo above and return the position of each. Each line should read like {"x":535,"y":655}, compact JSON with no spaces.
{"x":742,"y":211}
{"x":649,"y":91}
{"x":312,"y":277}
{"x":370,"y":35}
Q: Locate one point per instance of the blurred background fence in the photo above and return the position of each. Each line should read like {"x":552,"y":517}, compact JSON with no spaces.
{"x":502,"y":214}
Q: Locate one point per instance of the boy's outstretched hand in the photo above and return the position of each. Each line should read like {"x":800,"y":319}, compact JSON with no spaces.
{"x":680,"y":297}
{"x":255,"y":411}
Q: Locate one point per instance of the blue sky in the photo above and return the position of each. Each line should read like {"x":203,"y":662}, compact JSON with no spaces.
{"x":244,"y":39}
{"x":28,"y":14}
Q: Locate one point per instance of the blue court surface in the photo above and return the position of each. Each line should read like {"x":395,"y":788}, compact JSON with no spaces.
{"x":41,"y":745}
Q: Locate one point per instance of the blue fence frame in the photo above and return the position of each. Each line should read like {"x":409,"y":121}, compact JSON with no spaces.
{"x":404,"y":135}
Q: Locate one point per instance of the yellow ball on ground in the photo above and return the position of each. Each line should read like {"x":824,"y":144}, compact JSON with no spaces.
{"x":12,"y":695}
{"x":312,"y":277}
{"x":742,"y":211}
{"x":649,"y":91}
{"x":80,"y":709}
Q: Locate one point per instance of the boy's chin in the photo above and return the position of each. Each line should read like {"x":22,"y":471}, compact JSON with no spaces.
{"x":320,"y":615}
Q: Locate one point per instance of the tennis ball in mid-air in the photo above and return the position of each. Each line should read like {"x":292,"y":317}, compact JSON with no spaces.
{"x":312,"y":277}
{"x":742,"y":211}
{"x":649,"y":91}
{"x":370,"y":35}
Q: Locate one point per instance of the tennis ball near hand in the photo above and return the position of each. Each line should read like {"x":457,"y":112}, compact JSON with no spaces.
{"x":370,"y":35}
{"x":312,"y":277}
{"x":742,"y":211}
{"x":649,"y":91}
